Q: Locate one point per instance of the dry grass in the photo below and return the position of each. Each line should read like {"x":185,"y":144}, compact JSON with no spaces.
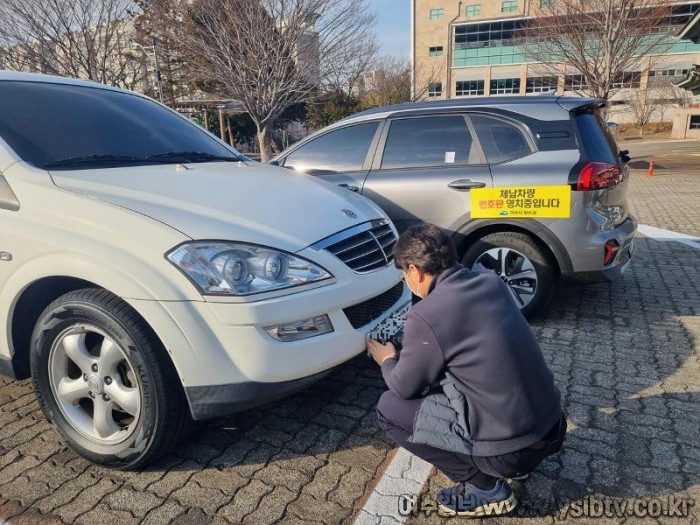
{"x":656,"y":130}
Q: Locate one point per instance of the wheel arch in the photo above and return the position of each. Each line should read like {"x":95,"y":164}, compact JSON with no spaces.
{"x":541,"y":235}
{"x":30,"y":304}
{"x":26,"y":311}
{"x":35,"y":284}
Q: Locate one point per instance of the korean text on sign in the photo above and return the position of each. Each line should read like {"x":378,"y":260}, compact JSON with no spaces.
{"x":521,"y":202}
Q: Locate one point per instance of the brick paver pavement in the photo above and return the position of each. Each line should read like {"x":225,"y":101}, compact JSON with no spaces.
{"x":624,"y":354}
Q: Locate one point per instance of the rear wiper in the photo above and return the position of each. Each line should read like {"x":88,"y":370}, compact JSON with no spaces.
{"x":191,"y":156}
{"x":93,"y":159}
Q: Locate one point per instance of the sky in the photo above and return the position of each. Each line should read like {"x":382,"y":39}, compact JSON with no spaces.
{"x":393,"y":26}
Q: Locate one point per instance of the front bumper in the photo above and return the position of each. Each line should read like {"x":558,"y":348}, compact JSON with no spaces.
{"x":226,"y":360}
{"x":219,"y":400}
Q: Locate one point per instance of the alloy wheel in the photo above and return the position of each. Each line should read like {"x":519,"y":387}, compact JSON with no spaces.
{"x":94,"y":384}
{"x":516,"y":270}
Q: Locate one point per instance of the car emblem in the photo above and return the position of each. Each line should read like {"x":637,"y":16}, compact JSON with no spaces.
{"x":95,"y":385}
{"x":349,"y":213}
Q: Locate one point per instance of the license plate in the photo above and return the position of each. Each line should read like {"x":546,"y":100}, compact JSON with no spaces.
{"x":391,"y":325}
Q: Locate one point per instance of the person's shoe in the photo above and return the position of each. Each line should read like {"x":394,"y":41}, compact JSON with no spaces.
{"x":524,"y":477}
{"x":465,"y":499}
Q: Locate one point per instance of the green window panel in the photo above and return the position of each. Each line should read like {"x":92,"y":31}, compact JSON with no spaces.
{"x":473,"y":10}
{"x":509,"y":5}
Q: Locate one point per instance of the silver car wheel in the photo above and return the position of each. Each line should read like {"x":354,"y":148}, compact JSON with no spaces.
{"x":94,"y":384}
{"x":516,"y":270}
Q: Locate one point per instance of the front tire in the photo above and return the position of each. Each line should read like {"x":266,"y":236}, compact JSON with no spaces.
{"x":530,"y":273}
{"x":104,"y":382}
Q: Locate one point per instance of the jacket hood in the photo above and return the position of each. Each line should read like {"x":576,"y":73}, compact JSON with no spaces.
{"x":228,"y":201}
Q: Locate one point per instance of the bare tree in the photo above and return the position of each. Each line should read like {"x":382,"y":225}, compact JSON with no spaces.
{"x":358,"y":58}
{"x":87,"y":39}
{"x":427,"y":74}
{"x":162,"y":20}
{"x":602,"y":40}
{"x":673,"y":95}
{"x":270,"y":54}
{"x":668,"y":97}
{"x":389,"y":83}
{"x":643,"y":107}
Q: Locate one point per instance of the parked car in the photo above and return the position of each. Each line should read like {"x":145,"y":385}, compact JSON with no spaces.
{"x":150,"y":275}
{"x":614,"y":128}
{"x":420,"y":161}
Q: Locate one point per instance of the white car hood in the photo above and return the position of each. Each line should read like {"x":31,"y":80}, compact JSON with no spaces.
{"x":228,"y":201}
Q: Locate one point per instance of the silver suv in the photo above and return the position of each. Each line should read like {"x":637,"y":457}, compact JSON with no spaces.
{"x":422,"y":161}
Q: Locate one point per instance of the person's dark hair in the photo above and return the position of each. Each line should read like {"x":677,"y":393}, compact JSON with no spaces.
{"x":427,"y":247}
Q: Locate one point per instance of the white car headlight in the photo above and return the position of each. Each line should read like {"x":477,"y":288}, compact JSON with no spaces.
{"x":222,"y":268}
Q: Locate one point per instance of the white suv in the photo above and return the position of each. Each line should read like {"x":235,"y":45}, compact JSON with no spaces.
{"x":150,"y":274}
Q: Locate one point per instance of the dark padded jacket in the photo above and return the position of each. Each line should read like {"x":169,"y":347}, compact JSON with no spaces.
{"x":469,"y":328}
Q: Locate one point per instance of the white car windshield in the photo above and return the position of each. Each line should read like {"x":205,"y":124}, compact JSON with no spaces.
{"x":60,"y":126}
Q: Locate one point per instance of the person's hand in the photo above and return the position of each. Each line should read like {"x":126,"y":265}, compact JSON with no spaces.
{"x":381,"y":352}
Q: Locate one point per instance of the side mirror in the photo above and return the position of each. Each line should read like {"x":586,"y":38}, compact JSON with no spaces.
{"x":624,"y":157}
{"x":274,"y":162}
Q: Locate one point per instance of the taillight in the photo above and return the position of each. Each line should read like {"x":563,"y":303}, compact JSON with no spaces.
{"x":598,"y":176}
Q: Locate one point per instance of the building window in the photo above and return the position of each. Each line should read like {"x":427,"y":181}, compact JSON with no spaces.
{"x":694,"y":122}
{"x":668,"y":75}
{"x":575,"y":82}
{"x":485,"y":43}
{"x":547,"y":4}
{"x":679,"y":17}
{"x":435,"y":89}
{"x":505,"y":86}
{"x":627,"y":80}
{"x":509,"y":5}
{"x":469,"y":88}
{"x":437,"y":14}
{"x":474,"y":10}
{"x":540,"y":84}
{"x":436,"y":51}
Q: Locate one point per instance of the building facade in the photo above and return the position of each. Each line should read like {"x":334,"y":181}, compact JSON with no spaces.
{"x":474,"y":48}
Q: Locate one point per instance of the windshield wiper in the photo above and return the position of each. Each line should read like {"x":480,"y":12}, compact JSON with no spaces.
{"x":94,"y":159}
{"x":191,"y":156}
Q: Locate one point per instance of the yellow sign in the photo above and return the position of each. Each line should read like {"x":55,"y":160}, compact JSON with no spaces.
{"x":521,"y":202}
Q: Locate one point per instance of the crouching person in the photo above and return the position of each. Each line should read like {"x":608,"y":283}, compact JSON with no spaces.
{"x":470,"y":391}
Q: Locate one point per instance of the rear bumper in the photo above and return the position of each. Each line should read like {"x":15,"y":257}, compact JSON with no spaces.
{"x":624,"y":234}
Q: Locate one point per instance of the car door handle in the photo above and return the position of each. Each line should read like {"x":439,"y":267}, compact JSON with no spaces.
{"x":466,"y":184}
{"x":351,"y":188}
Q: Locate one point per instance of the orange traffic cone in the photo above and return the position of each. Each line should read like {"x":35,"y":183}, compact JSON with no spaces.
{"x":650,"y":171}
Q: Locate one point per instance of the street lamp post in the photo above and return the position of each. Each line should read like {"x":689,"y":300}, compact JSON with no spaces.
{"x":155,"y":61}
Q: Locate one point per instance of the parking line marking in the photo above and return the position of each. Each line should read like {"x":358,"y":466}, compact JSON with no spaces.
{"x":406,"y":474}
{"x":659,"y":234}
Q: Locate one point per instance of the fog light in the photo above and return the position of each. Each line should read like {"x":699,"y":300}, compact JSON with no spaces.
{"x":299,"y":330}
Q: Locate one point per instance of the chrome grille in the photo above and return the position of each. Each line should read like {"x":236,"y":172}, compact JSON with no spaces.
{"x":364,"y":248}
